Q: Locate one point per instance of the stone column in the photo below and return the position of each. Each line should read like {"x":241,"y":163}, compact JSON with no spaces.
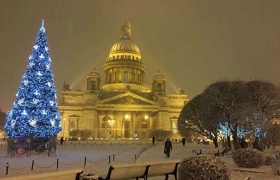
{"x":97,"y":123}
{"x":122,"y":125}
{"x":133,"y":119}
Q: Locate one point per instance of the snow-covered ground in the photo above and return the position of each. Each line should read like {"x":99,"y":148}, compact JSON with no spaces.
{"x":97,"y":155}
{"x":71,"y":156}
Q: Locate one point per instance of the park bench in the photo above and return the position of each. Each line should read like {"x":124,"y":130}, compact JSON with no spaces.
{"x":249,"y":170}
{"x":163,"y":168}
{"x":141,"y":170}
{"x":54,"y":175}
{"x":126,"y":171}
{"x":210,"y":151}
{"x":197,"y":151}
{"x":216,"y":152}
{"x":224,"y":152}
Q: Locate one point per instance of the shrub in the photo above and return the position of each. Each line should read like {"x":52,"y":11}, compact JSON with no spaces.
{"x":74,"y":139}
{"x":277,"y":155}
{"x":203,"y":167}
{"x":85,"y":134}
{"x":248,"y":158}
{"x":268,"y":160}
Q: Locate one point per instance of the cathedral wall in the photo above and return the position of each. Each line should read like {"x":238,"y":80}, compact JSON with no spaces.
{"x":89,"y":121}
{"x":90,"y":99}
{"x":70,"y":120}
{"x":163,"y":120}
{"x":172,"y":100}
{"x":72,"y":99}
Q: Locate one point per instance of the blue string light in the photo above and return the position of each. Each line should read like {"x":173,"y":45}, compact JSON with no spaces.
{"x":35,"y":112}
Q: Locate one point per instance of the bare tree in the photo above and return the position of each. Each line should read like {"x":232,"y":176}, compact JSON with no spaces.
{"x":265,"y":103}
{"x":199,"y":117}
{"x":241,"y":105}
{"x":230,"y":99}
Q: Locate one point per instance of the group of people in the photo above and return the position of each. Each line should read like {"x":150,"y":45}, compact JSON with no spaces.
{"x":168,"y":144}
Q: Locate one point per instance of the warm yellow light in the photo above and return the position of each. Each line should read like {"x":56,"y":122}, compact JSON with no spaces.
{"x":126,"y":116}
{"x":146,"y":116}
{"x":111,"y":122}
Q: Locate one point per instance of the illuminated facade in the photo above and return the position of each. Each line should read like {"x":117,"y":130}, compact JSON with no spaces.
{"x":124,"y":107}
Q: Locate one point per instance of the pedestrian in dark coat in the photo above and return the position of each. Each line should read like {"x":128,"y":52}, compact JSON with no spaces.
{"x":183,"y":141}
{"x":61,"y":141}
{"x":154,"y":139}
{"x":167,"y":147}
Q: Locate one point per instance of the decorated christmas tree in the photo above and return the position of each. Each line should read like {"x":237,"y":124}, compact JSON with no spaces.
{"x":35,"y":113}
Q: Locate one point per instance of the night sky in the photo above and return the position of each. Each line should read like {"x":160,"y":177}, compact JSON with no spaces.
{"x":193,"y":43}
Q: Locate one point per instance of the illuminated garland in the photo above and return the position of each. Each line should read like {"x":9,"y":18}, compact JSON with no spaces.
{"x":35,"y":112}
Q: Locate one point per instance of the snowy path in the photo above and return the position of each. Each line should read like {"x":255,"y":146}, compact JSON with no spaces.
{"x":72,"y":156}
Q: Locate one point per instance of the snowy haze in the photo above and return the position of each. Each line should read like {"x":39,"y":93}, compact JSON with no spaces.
{"x":193,"y":43}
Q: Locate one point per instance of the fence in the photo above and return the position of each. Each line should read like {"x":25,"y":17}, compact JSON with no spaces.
{"x":113,"y":158}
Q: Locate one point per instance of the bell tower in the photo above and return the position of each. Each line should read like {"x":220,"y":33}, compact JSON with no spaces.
{"x":159,"y":84}
{"x":126,"y":31}
{"x":93,"y":81}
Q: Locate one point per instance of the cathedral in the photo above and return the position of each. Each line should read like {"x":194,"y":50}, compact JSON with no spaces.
{"x":121,"y":105}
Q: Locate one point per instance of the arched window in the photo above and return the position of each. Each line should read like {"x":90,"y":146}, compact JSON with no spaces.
{"x":73,"y":125}
{"x":92,"y":85}
{"x":105,"y":123}
{"x":159,"y":87}
{"x":144,"y":124}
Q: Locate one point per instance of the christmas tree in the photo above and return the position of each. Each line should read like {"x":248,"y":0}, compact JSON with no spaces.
{"x":35,"y":112}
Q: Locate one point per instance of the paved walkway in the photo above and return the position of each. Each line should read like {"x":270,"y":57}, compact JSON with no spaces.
{"x":155,"y":154}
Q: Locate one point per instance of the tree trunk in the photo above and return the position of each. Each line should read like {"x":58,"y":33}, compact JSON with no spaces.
{"x":228,"y":143}
{"x":215,"y":141}
{"x":235,"y":138}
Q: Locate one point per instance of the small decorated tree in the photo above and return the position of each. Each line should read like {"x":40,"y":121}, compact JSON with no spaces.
{"x":35,"y":115}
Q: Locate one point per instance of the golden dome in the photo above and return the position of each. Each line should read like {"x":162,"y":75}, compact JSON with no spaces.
{"x":124,"y":66}
{"x":125,"y":48}
{"x":125,"y":45}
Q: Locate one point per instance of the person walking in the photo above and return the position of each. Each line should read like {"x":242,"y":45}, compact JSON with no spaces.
{"x":153,"y":139}
{"x":61,"y":141}
{"x":183,"y":141}
{"x":167,"y":147}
